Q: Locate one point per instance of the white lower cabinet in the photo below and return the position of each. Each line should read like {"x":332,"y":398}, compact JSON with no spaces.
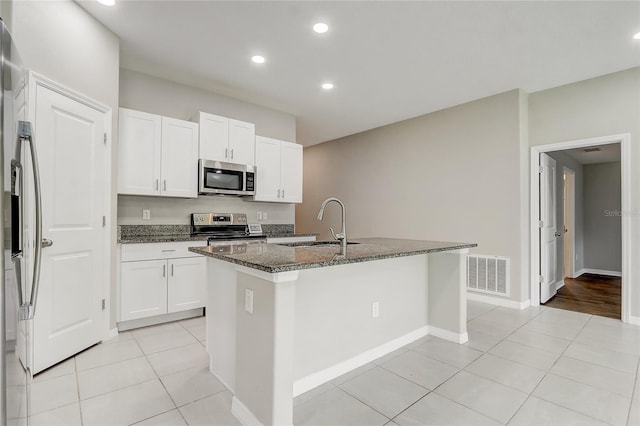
{"x":186,"y":284}
{"x":153,"y":282}
{"x":143,"y":289}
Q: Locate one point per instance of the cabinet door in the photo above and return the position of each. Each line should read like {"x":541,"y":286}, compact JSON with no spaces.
{"x":143,"y":289}
{"x":242,"y":140}
{"x":139,"y":153}
{"x":186,"y":287}
{"x":179,"y":171}
{"x":268,"y":173}
{"x":214,"y":137}
{"x":291,"y":172}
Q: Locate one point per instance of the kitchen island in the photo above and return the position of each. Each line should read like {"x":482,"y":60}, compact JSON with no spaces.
{"x":283,"y":319}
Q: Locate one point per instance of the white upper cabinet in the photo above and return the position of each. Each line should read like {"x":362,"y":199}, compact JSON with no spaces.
{"x":179,"y":165}
{"x":291,"y":172}
{"x":139,"y":152}
{"x":158,"y":155}
{"x":214,"y":137}
{"x":226,"y":139}
{"x":279,"y":165}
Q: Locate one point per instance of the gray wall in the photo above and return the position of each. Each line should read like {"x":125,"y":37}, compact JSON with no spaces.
{"x":602,"y":106}
{"x":151,"y":94}
{"x":59,"y":40}
{"x":602,"y":225}
{"x":159,"y":96}
{"x":563,"y":160}
{"x":452,"y":175}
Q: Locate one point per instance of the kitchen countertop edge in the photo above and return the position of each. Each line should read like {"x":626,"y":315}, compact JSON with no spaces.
{"x":450,"y":246}
{"x":144,"y":239}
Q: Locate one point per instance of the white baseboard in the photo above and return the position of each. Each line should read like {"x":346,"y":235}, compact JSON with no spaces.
{"x":498,"y":301}
{"x":559,"y":285}
{"x":243,"y":414}
{"x":159,"y":319}
{"x":598,"y":272}
{"x":634,"y":320}
{"x":316,"y":379}
{"x":449,"y":335}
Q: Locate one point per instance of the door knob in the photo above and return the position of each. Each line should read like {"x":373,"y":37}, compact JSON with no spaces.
{"x":46,"y":243}
{"x":557,"y":234}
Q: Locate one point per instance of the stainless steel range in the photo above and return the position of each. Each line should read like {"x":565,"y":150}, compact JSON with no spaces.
{"x":227,"y":232}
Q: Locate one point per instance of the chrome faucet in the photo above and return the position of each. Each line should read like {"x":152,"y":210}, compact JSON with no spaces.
{"x":342,"y":236}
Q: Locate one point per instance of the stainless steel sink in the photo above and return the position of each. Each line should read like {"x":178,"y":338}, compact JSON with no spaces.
{"x":315,"y":243}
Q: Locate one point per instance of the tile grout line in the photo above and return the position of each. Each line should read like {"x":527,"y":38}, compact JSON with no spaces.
{"x":549,"y":372}
{"x":633,"y":392}
{"x":75,"y":369}
{"x":468,"y":372}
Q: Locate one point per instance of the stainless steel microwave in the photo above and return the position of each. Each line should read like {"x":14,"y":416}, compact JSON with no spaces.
{"x":220,"y":178}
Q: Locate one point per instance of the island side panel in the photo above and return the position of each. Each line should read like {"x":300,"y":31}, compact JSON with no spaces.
{"x":221,"y":320}
{"x":264,"y":349}
{"x":447,"y":295}
{"x":335,"y":330}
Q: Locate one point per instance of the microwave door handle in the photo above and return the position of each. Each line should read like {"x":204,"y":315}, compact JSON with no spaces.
{"x":27,"y":310}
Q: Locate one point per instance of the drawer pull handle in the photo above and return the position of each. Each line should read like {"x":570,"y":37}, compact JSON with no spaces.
{"x":164,"y":270}
{"x":168,"y":250}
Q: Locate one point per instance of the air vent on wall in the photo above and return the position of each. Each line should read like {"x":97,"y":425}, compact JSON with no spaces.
{"x":488,"y":274}
{"x":592,"y":149}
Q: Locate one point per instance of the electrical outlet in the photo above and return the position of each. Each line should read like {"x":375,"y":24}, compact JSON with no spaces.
{"x":259,"y":216}
{"x":375,"y":309}
{"x":146,"y":214}
{"x":265,"y":216}
{"x":248,"y":300}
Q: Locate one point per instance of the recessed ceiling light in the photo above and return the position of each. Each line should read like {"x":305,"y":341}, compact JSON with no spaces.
{"x":107,"y":2}
{"x":258,"y":59}
{"x":637,"y":36}
{"x":321,"y":28}
{"x":327,"y":86}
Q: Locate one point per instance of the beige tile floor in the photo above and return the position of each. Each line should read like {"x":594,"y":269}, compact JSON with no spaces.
{"x":533,"y":367}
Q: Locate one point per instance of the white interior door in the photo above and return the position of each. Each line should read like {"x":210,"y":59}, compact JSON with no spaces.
{"x":548,"y":228}
{"x":569,"y":223}
{"x":69,"y":315}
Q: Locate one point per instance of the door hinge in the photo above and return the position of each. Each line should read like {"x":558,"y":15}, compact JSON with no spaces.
{"x":540,"y":224}
{"x":541,"y":278}
{"x":104,"y":221}
{"x":105,"y":138}
{"x":103,"y":304}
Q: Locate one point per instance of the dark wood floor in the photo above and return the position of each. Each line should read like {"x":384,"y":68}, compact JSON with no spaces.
{"x":591,"y":294}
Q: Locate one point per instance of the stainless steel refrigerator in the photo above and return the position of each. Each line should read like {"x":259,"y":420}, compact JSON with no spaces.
{"x":20,"y":234}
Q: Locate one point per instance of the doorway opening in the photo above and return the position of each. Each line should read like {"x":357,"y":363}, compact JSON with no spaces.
{"x":579,"y":247}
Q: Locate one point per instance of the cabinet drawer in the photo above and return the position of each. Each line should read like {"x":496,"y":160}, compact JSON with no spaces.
{"x":150,"y":251}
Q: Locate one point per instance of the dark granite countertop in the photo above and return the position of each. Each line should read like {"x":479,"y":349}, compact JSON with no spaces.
{"x":274,"y":258}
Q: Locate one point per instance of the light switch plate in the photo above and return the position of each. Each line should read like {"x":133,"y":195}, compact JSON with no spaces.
{"x":146,"y":214}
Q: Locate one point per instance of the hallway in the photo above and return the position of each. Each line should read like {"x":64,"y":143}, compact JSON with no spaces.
{"x":590,"y":294}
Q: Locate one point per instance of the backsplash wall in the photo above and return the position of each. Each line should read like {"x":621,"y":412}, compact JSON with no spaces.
{"x":175,"y":211}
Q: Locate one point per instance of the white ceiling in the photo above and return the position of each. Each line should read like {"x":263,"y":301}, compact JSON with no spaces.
{"x":606,"y":154}
{"x":389,"y":60}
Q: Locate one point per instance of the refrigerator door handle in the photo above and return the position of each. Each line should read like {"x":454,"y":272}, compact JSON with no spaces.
{"x":25,"y":134}
{"x":17,"y":253}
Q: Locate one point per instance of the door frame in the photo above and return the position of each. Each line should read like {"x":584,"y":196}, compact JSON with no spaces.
{"x":624,"y":140}
{"x":35,"y":80}
{"x":569,"y":199}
